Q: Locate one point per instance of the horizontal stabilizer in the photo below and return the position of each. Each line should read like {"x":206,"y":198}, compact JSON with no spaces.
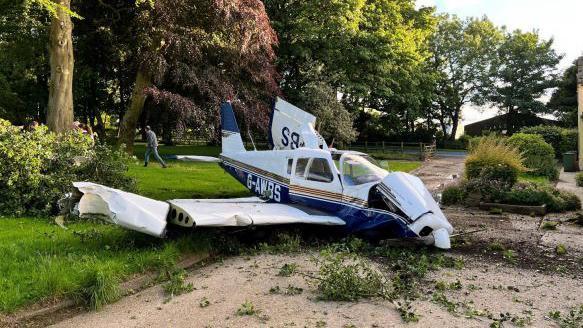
{"x":193,"y":158}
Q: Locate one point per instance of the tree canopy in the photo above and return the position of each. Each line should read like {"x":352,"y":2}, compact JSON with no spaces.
{"x":368,"y":69}
{"x":526,"y":68}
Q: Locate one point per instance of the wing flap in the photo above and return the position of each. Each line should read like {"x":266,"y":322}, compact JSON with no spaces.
{"x":244,"y":212}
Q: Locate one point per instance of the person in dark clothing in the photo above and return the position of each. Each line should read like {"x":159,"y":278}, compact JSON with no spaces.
{"x":152,"y":147}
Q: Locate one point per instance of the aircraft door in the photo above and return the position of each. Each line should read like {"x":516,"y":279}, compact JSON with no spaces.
{"x":314,"y":182}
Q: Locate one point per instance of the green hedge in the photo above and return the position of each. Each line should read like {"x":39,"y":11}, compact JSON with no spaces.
{"x":37,"y":168}
{"x":540,"y":194}
{"x":561,"y":139}
{"x":539,"y":156}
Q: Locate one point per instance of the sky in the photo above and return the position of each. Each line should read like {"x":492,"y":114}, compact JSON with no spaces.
{"x":557,"y":19}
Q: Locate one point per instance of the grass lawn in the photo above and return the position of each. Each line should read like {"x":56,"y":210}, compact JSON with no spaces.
{"x":524,"y":177}
{"x":186,"y":180}
{"x":402,"y":166}
{"x":39,"y":260}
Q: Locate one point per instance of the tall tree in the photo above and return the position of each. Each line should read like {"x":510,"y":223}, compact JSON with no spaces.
{"x":368,"y":51}
{"x":563,"y":102}
{"x":525,"y":69}
{"x":23,"y":61}
{"x":193,"y":54}
{"x":463,"y":52}
{"x":60,"y":105}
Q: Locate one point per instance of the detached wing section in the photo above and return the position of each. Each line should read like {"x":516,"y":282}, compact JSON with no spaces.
{"x":242,"y":212}
{"x":128,"y":210}
{"x":150,"y":216}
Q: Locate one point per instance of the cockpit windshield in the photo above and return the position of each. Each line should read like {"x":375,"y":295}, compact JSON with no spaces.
{"x":358,"y":169}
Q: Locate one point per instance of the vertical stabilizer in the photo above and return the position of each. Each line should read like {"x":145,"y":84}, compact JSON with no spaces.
{"x":231,"y":140}
{"x":292,"y":128}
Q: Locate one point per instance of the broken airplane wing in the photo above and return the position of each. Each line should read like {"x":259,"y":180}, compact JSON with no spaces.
{"x":150,"y":216}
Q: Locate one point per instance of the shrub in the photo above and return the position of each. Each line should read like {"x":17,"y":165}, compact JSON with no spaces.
{"x":539,"y":156}
{"x":553,"y":135}
{"x":569,"y":138}
{"x":37,"y":168}
{"x":492,"y":159}
{"x":562,"y":140}
{"x":539,"y":194}
{"x":579,"y":179}
{"x":452,"y":195}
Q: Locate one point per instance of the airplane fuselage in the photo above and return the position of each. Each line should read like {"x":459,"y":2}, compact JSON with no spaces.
{"x":277,"y":176}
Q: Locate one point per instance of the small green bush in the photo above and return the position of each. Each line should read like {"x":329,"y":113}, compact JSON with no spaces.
{"x":550,"y":133}
{"x":569,"y":138}
{"x":37,"y":168}
{"x":539,"y":194}
{"x":492,"y":159}
{"x":539,"y":156}
{"x":452,"y":195}
{"x":579,"y":179}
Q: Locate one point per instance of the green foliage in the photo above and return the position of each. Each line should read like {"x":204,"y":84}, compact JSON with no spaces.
{"x":100,"y":287}
{"x":247,"y":308}
{"x":562,"y":140}
{"x":561,"y":249}
{"x":53,"y":8}
{"x":352,"y":46}
{"x":569,"y":138}
{"x":579,"y":179}
{"x":37,"y":168}
{"x":176,"y":284}
{"x":344,"y":277}
{"x":538,"y":156}
{"x":288,"y":269}
{"x":525,"y":69}
{"x":553,"y":135}
{"x":334,"y":122}
{"x":509,"y":255}
{"x":573,"y":319}
{"x":540,"y":194}
{"x":453,"y":194}
{"x":491,"y":159}
{"x":289,"y":291}
{"x":462,"y":55}
{"x":549,"y":225}
{"x":41,"y":261}
{"x":563,"y":102}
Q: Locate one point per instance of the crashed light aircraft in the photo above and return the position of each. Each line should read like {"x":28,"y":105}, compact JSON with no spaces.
{"x":300,"y":181}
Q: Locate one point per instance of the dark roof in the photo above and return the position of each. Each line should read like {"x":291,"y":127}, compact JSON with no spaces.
{"x":498,"y":124}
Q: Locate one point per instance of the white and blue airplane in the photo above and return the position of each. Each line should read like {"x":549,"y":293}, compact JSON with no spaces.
{"x":299,"y":181}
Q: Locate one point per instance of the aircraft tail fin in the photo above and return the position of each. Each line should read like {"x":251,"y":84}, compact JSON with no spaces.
{"x":231,"y":140}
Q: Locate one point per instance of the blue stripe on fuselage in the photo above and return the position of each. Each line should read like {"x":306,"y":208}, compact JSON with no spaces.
{"x":357,"y":218}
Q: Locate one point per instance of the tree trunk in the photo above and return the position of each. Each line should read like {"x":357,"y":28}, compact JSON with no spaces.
{"x":454,"y":123}
{"x":127,"y":132}
{"x":60,"y":106}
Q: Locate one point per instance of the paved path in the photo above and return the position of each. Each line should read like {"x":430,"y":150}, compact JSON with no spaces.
{"x":567,"y":183}
{"x":439,"y":172}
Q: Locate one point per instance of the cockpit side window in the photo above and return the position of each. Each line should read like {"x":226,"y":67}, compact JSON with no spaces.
{"x":320,"y":171}
{"x":301,"y":165}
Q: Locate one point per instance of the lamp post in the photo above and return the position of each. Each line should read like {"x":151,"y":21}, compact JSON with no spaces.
{"x":580,"y":110}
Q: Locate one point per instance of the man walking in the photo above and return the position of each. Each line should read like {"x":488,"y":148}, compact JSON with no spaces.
{"x":152,"y":147}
